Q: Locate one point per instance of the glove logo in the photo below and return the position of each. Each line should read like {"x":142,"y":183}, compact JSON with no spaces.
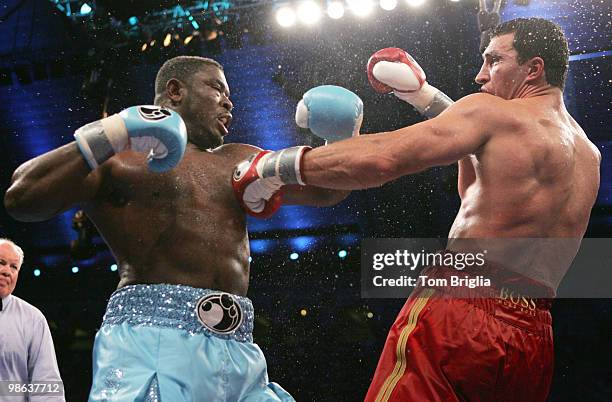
{"x":153,"y":113}
{"x":242,"y":168}
{"x":219,"y":312}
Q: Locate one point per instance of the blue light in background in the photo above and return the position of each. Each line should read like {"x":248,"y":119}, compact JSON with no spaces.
{"x":37,"y":272}
{"x":260,"y":246}
{"x":113,"y":267}
{"x":133,"y":20}
{"x":342,"y":254}
{"x":75,"y":270}
{"x":593,"y":55}
{"x":294,"y":256}
{"x":302,"y":243}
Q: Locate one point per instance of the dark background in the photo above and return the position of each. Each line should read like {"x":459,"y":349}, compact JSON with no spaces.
{"x":56,"y":72}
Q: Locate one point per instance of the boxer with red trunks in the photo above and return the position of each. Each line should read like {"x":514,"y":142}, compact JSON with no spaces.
{"x":461,"y":344}
{"x":526,"y":171}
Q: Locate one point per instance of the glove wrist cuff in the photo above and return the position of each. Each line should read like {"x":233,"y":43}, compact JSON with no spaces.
{"x":116,"y":132}
{"x":100,"y":140}
{"x":429,"y":100}
{"x":420,"y":98}
{"x":285,"y":165}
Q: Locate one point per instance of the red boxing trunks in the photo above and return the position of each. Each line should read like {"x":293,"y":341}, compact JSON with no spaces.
{"x":446,"y":348}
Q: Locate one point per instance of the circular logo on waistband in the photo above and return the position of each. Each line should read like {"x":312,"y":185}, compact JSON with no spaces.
{"x":219,"y":312}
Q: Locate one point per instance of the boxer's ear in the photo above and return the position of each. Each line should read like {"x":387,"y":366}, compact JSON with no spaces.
{"x":175,"y":91}
{"x":536,"y":69}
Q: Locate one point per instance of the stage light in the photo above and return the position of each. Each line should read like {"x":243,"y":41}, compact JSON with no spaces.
{"x":188,"y":39}
{"x":309,"y":12}
{"x":144,"y":47}
{"x":415,"y":3}
{"x":85,"y":9}
{"x":114,"y":267}
{"x":285,"y":16}
{"x":335,"y":10}
{"x":75,"y":270}
{"x":260,"y":246}
{"x":360,"y":8}
{"x":133,"y":20}
{"x":294,"y":256}
{"x":152,"y":43}
{"x":37,"y":272}
{"x":303,"y":312}
{"x":167,"y":40}
{"x":388,"y":5}
{"x":369,"y":314}
{"x":342,"y":253}
{"x":302,"y":243}
{"x":250,"y":259}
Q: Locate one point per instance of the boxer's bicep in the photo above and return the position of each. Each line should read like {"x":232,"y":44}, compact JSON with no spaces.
{"x":458,"y":132}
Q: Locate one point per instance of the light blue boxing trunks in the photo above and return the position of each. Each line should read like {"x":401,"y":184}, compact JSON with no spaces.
{"x":174,"y":343}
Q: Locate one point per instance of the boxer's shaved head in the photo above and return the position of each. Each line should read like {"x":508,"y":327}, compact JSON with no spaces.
{"x":537,"y":37}
{"x":181,"y":68}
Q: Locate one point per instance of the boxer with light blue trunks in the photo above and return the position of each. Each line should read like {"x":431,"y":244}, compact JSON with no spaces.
{"x":157,"y":183}
{"x":177,"y":343}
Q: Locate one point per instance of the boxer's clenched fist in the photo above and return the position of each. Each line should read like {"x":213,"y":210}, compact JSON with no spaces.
{"x":394,"y":70}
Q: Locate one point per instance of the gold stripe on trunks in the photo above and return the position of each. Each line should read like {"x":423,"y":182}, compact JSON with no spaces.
{"x":400,"y":352}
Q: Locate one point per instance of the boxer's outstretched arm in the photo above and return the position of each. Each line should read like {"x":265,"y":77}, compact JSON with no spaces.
{"x":51,"y":183}
{"x":372,"y":160}
{"x":312,"y":196}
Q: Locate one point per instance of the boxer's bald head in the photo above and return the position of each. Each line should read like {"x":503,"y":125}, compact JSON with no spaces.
{"x":537,"y":37}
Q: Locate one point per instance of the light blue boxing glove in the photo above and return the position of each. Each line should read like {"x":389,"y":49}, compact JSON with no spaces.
{"x":330,"y":112}
{"x":157,"y":131}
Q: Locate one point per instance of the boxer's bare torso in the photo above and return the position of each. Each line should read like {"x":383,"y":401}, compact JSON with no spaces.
{"x":537,"y":178}
{"x":181,"y":227}
{"x":528,"y":191}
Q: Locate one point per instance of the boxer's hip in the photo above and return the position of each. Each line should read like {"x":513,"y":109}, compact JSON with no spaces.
{"x":510,"y":297}
{"x":192,"y":310}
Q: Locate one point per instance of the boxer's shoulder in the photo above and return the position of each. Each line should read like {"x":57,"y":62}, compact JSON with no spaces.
{"x":482,"y":102}
{"x":494,"y":114}
{"x":236,"y":150}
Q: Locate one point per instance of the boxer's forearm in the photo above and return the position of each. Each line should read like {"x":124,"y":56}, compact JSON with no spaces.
{"x":357,"y":163}
{"x":49,"y":184}
{"x":312,"y":196}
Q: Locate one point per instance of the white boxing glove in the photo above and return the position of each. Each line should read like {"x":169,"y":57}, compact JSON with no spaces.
{"x":394,"y":70}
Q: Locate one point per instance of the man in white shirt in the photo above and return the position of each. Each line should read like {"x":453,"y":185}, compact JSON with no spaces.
{"x":28,"y":367}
